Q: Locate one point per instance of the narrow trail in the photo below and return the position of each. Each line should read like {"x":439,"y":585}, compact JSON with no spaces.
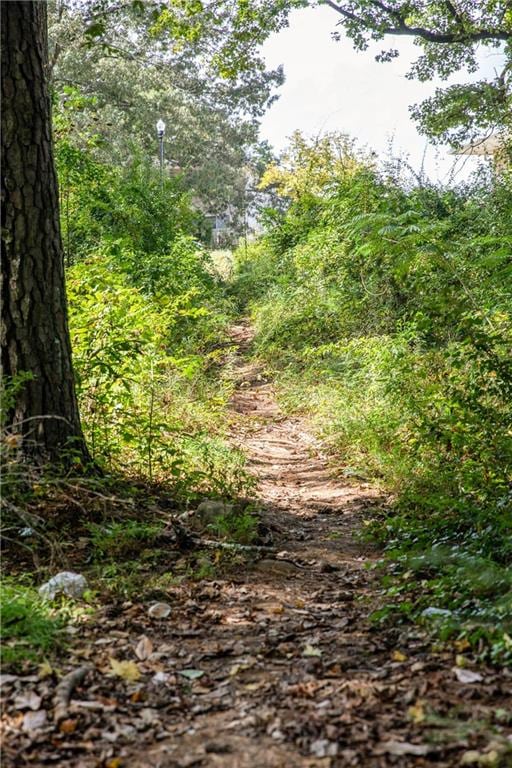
{"x":295,"y":485}
{"x":277,"y":665}
{"x":288,"y":629}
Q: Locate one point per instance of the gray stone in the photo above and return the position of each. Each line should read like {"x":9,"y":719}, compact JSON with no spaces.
{"x":208,"y":512}
{"x":64,"y":583}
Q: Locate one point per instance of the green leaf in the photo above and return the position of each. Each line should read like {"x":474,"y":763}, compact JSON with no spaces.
{"x":191,"y":674}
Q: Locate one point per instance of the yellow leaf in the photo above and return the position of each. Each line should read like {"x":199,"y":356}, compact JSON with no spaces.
{"x":311,"y":650}
{"x":45,"y":670}
{"x":398,"y":656}
{"x":462,"y":645}
{"x":128,"y":670}
{"x":416,"y":713}
{"x":460,"y":660}
{"x":116,"y":762}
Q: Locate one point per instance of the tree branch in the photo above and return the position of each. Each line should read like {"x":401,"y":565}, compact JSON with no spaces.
{"x":397,"y":25}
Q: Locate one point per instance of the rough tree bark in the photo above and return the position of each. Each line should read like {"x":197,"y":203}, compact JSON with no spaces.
{"x":34,"y":334}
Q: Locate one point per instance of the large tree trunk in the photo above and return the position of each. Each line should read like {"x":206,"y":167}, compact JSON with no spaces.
{"x":34,"y":336}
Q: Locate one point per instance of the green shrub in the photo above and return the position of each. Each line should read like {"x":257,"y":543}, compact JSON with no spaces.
{"x":241,"y":527}
{"x":121,"y":539}
{"x":151,"y":399}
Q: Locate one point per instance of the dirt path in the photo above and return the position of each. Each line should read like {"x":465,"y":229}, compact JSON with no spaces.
{"x":278,"y":665}
{"x":297,"y":675}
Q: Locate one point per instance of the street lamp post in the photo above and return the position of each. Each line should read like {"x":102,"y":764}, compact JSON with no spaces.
{"x":160,"y":130}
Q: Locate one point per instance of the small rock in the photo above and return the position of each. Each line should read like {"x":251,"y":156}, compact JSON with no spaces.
{"x":65,"y":583}
{"x":209,"y":512}
{"x":159,"y":610}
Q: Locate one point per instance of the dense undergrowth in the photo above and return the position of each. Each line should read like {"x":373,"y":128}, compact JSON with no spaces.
{"x":384,"y":310}
{"x":148,"y":315}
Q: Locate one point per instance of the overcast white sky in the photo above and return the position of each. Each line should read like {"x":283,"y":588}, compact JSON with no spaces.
{"x":330,"y":86}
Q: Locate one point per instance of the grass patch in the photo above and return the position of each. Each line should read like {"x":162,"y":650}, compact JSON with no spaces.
{"x":30,"y":628}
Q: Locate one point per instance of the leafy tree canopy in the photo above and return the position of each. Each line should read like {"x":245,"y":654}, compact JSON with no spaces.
{"x":198,"y":62}
{"x":307,"y":168}
{"x":450,"y":33}
{"x":118,"y":67}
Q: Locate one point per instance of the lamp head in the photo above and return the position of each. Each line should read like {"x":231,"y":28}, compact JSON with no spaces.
{"x":160,"y":127}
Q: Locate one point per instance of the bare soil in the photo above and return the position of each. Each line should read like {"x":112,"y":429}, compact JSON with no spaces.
{"x":277,"y":664}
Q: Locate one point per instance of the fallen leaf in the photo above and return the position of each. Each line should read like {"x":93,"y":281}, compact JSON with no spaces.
{"x":159,"y":610}
{"x":68,"y":726}
{"x":32,"y":721}
{"x":161,"y":677}
{"x":398,"y":656}
{"x":148,"y":716}
{"x":416,"y":713}
{"x":462,"y":645}
{"x":255,"y":686}
{"x":323,"y":748}
{"x":137,"y":696}
{"x":310,"y":650}
{"x":115,"y":762}
{"x":128,"y":670}
{"x":191,"y":674}
{"x":472,"y":757}
{"x":27,"y":700}
{"x":6,"y":679}
{"x":467,"y":676}
{"x":45,"y":670}
{"x":144,"y":648}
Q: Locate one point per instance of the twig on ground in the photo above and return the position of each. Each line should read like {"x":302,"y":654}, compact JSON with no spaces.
{"x":212,"y":544}
{"x":65,"y":689}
